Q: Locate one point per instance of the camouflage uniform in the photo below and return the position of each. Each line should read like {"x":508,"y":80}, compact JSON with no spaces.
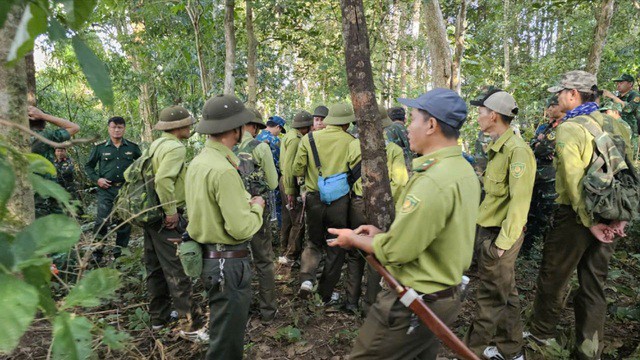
{"x":66,"y":169}
{"x":45,"y":206}
{"x":397,"y":134}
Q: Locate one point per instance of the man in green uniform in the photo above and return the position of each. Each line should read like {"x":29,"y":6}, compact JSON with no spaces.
{"x":614,"y":110}
{"x":112,"y":157}
{"x":508,"y":183}
{"x":397,"y":133}
{"x":319,"y":114}
{"x":630,"y":101}
{"x":292,"y":231}
{"x":398,"y":176}
{"x":166,"y":280}
{"x":575,"y":241}
{"x":65,"y":129}
{"x":65,"y":167}
{"x":428,"y":256}
{"x":331,"y":144}
{"x":223,"y":217}
{"x":544,"y":190}
{"x":259,"y":174}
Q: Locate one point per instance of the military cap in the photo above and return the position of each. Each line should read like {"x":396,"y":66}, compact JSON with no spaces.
{"x":278,"y":121}
{"x":222,"y":113}
{"x":321,"y":111}
{"x":257,"y":119}
{"x":552,"y":100}
{"x":174,"y":117}
{"x":499,"y":101}
{"x":443,"y":104}
{"x":625,"y":77}
{"x":302,"y":119}
{"x":576,"y":79}
{"x":611,"y":105}
{"x":383,"y":116}
{"x":340,"y":114}
{"x":396,"y":113}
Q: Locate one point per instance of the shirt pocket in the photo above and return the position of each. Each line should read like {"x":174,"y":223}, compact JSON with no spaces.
{"x":495,"y":178}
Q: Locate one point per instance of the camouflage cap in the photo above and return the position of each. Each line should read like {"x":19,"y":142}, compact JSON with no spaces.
{"x":321,"y":111}
{"x":576,"y":79}
{"x":340,"y":114}
{"x":625,"y":77}
{"x":258,"y":121}
{"x":302,"y":119}
{"x":552,"y":100}
{"x":611,"y":105}
{"x":278,"y":121}
{"x":383,"y":116}
{"x":397,"y":113}
{"x":174,"y":117}
{"x":223,"y":113}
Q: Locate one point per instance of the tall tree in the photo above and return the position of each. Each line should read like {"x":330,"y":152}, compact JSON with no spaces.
{"x":461,"y":27}
{"x":375,"y":177}
{"x":439,"y":51}
{"x":506,"y":6}
{"x":252,"y":46}
{"x":603,"y":21}
{"x":230,"y":46}
{"x":195,"y":10}
{"x":13,"y":107}
{"x":30,"y":67}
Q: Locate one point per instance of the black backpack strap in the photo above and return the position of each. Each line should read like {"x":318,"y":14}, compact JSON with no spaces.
{"x":314,"y":150}
{"x":355,"y":173}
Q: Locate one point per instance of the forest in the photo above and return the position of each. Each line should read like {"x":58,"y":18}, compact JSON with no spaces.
{"x":89,"y":60}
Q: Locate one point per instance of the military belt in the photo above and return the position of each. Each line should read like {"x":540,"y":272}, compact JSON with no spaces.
{"x":438,"y":295}
{"x":229,"y":254}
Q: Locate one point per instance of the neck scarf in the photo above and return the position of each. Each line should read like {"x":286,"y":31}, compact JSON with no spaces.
{"x":584,"y":109}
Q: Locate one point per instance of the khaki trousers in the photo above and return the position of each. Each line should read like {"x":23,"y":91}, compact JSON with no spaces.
{"x":292,"y":231}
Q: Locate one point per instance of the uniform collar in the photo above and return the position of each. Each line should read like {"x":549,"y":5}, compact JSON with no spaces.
{"x":124,"y":142}
{"x":333,"y":128}
{"x":246,"y":136}
{"x":223,"y":150}
{"x":168,"y":135}
{"x":447,"y":152}
{"x":497,"y":145}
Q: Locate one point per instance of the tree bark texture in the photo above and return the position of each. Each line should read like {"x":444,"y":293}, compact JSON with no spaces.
{"x":415,"y":32}
{"x":194,"y":10}
{"x":439,"y":51}
{"x":252,"y":46}
{"x":505,"y":42}
{"x":461,"y":27}
{"x":30,"y":67}
{"x":13,"y":107}
{"x":603,"y":21}
{"x":230,"y":46}
{"x":375,"y":176}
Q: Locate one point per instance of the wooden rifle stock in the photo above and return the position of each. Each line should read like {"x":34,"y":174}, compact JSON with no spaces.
{"x":425,"y":314}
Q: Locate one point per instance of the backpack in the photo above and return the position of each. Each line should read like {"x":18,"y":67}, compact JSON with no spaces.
{"x":610,"y":185}
{"x":137,"y":199}
{"x":252,"y":175}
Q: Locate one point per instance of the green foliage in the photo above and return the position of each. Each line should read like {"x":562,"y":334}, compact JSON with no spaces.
{"x":98,"y":285}
{"x":114,"y":339}
{"x":6,"y":185}
{"x":94,"y":69}
{"x":71,"y":337}
{"x":288,"y":334}
{"x":19,"y":305}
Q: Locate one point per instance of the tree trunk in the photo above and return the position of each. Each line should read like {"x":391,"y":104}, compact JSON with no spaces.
{"x":379,"y":208}
{"x":461,"y":27}
{"x":13,"y":107}
{"x":194,"y":11}
{"x":252,"y":44}
{"x":415,"y":32}
{"x":439,"y":51}
{"x":505,"y":42}
{"x":603,"y":20}
{"x":230,"y":46}
{"x":30,"y":67}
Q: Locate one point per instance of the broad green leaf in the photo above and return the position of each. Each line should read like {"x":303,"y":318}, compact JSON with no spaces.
{"x":95,"y":71}
{"x":71,"y":337}
{"x":6,"y":185}
{"x":19,"y":302}
{"x":114,"y":339}
{"x":5,"y":7}
{"x":96,"y":286}
{"x":7,"y":259}
{"x":56,"y":31}
{"x":589,"y":347}
{"x":40,"y":165}
{"x":78,"y":11}
{"x":32,"y":24}
{"x":39,"y":276}
{"x":49,"y":234}
{"x":51,"y":189}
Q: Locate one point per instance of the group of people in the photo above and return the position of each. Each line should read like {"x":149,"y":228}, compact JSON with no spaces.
{"x":220,"y":200}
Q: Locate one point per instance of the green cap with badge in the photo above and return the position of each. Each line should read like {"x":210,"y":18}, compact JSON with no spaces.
{"x":174,"y":117}
{"x":340,"y":114}
{"x":611,"y":105}
{"x":223,"y":113}
{"x":625,"y":77}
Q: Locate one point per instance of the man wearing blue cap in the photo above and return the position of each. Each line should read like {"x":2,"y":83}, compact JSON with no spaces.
{"x":508,"y":183}
{"x":445,"y":190}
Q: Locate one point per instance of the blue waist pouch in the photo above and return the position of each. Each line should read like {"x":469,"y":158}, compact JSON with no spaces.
{"x":333,"y":187}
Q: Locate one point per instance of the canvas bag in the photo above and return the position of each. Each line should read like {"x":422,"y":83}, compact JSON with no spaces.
{"x":333,"y":187}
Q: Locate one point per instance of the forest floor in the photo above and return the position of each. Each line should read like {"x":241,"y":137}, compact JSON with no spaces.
{"x":304,"y":330}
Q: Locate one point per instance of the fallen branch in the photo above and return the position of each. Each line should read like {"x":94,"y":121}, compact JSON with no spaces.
{"x":65,"y":144}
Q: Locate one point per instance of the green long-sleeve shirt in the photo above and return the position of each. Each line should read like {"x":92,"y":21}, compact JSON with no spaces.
{"x":217,"y":203}
{"x":264,"y":159}
{"x":169,"y":155}
{"x":396,"y":165}
{"x":508,"y":182}
{"x":430,"y":243}
{"x":332,"y":144}
{"x":112,"y":161}
{"x":288,"y":151}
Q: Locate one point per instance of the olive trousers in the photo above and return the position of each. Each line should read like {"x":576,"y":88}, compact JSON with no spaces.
{"x":263,"y":257}
{"x":292,"y":231}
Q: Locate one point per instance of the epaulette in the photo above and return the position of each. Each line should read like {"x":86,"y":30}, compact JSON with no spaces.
{"x":132,"y":142}
{"x":425,"y":165}
{"x":232,"y":162}
{"x":101,"y":142}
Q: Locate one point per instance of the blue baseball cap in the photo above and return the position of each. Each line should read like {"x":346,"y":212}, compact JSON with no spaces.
{"x":443,"y":104}
{"x":278,"y":121}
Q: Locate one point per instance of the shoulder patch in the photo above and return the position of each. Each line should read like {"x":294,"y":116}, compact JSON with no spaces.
{"x":517,"y":169}
{"x":410,"y":204}
{"x":101,"y":142}
{"x":637,"y":99}
{"x":425,"y":165}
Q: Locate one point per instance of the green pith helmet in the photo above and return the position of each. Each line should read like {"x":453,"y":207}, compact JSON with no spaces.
{"x":384,"y":117}
{"x":321,"y":111}
{"x":258,"y":119}
{"x":340,"y":114}
{"x":174,"y":117}
{"x":223,"y":113}
{"x":302,"y":119}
